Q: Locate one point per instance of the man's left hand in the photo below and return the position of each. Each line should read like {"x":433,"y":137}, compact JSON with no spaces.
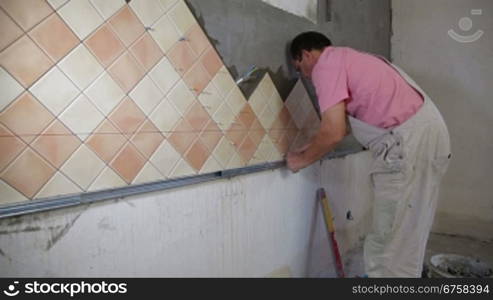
{"x":295,"y":161}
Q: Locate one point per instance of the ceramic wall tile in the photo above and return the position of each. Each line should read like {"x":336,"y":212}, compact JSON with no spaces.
{"x":224,"y":81}
{"x":105,"y":45}
{"x":182,"y":57}
{"x":82,"y":117}
{"x":81,"y":67}
{"x":197,"y":78}
{"x":10,"y":88}
{"x":210,"y":166}
{"x":164,"y":75}
{"x":146,"y":51}
{"x":148,"y":11}
{"x":126,"y":25}
{"x":165,"y":158}
{"x":9,"y":194}
{"x":107,"y":179}
{"x":165,"y":33}
{"x":165,"y":117}
{"x":57,"y":3}
{"x":211,"y":61}
{"x":146,"y":95}
{"x":197,"y":39}
{"x":128,"y":163}
{"x":183,"y":169}
{"x":126,"y":71}
{"x":183,"y":136}
{"x":147,"y":139}
{"x":106,"y":141}
{"x":58,"y":185}
{"x":27,"y":13}
{"x":197,"y":155}
{"x":104,"y":93}
{"x":81,"y":17}
{"x":182,"y":17}
{"x":182,"y":97}
{"x":211,"y":98}
{"x":149,"y":173}
{"x":9,"y":31}
{"x":10,"y":146}
{"x":167,"y":4}
{"x":107,"y":8}
{"x":127,"y":117}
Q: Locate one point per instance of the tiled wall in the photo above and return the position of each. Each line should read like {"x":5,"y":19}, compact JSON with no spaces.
{"x":98,"y":94}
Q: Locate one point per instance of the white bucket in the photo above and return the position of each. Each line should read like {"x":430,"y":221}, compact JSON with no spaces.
{"x":457,"y":266}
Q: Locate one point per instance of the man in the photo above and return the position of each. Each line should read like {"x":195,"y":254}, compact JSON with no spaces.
{"x":393,"y":118}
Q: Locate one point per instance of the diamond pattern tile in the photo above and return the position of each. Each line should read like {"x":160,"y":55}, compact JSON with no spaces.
{"x":28,"y":173}
{"x":236,"y":100}
{"x":55,"y":91}
{"x":148,"y":11}
{"x":81,"y":67}
{"x":164,"y":75}
{"x":57,"y":3}
{"x":128,"y":163}
{"x":81,"y":117}
{"x":54,"y":37}
{"x":107,"y":8}
{"x":146,"y":95}
{"x":224,"y":116}
{"x":126,"y":72}
{"x":182,"y":57}
{"x":197,"y":155}
{"x":9,"y":194}
{"x":26,"y":13}
{"x":183,"y":136}
{"x":165,"y":33}
{"x":197,"y":39}
{"x":148,"y":174}
{"x":211,"y":135}
{"x":83,"y":167}
{"x":237,"y":133}
{"x":81,"y":17}
{"x":165,"y":158}
{"x":9,"y":31}
{"x":56,"y":144}
{"x":224,"y":82}
{"x":104,"y":93}
{"x":182,"y":17}
{"x":210,"y":166}
{"x":108,"y":179}
{"x":127,"y":117}
{"x":197,"y":78}
{"x":58,"y":185}
{"x":165,"y":117}
{"x":197,"y":117}
{"x":211,"y":98}
{"x":26,"y":107}
{"x":211,"y":61}
{"x":182,"y":97}
{"x":105,"y":45}
{"x":224,"y":151}
{"x":106,"y":141}
{"x":147,"y":139}
{"x":10,"y":88}
{"x":25,"y":61}
{"x":126,"y":25}
{"x":182,"y":169}
{"x":10,"y":146}
{"x":146,"y":51}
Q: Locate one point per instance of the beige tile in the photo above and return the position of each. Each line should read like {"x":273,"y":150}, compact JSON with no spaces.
{"x":167,"y":4}
{"x":258,"y":102}
{"x":146,"y":95}
{"x":224,"y":116}
{"x":81,"y":67}
{"x":164,"y":75}
{"x":82,"y":117}
{"x":127,"y":117}
{"x":181,"y":97}
{"x":107,"y":8}
{"x":181,"y":15}
{"x":165,"y":33}
{"x":210,"y":98}
{"x":104,"y":93}
{"x":236,"y":100}
{"x":108,"y":179}
{"x":28,"y":173}
{"x":224,"y":152}
{"x":210,"y":166}
{"x":25,"y":61}
{"x":55,"y":91}
{"x":128,"y":163}
{"x":83,"y":167}
{"x":106,"y":141}
{"x":264,"y":150}
{"x":9,"y":194}
{"x":57,"y":3}
{"x":223,"y":81}
{"x":165,"y":117}
{"x":297,"y":94}
{"x":165,"y":158}
{"x":10,"y":146}
{"x":148,"y":11}
{"x":266,"y":86}
{"x":26,"y":108}
{"x":183,"y":169}
{"x":81,"y":17}
{"x":235,"y":162}
{"x":26,"y":13}
{"x":9,"y":31}
{"x":126,"y":72}
{"x":56,"y":144}
{"x":54,"y":37}
{"x":10,"y":89}
{"x":267,"y":118}
{"x":148,"y":174}
{"x":275,"y":103}
{"x":127,"y":25}
{"x":105,"y":45}
{"x":146,"y":51}
{"x":211,"y":135}
{"x":58,"y":185}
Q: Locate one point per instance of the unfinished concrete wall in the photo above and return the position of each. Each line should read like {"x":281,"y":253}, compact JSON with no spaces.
{"x":457,"y":73}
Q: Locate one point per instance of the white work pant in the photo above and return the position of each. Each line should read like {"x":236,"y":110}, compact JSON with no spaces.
{"x":409,"y":162}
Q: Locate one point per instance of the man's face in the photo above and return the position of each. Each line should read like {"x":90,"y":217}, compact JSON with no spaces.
{"x":303,"y":65}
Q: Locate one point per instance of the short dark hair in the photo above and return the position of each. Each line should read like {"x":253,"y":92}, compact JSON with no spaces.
{"x":308,"y":41}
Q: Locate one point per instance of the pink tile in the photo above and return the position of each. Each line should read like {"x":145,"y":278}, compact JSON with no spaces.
{"x":9,"y":31}
{"x":211,"y":135}
{"x":128,"y":163}
{"x":256,"y":132}
{"x":24,"y":108}
{"x":54,"y":37}
{"x":197,"y":116}
{"x":182,"y":57}
{"x":25,"y":61}
{"x":126,"y":72}
{"x":27,"y":13}
{"x":106,"y":141}
{"x":247,"y":149}
{"x":56,"y":144}
{"x":197,"y":39}
{"x":126,"y":25}
{"x":247,"y":116}
{"x":197,"y":78}
{"x":197,"y":155}
{"x":10,"y":146}
{"x":105,"y":45}
{"x":28,"y":173}
{"x":211,"y":61}
{"x":147,"y":52}
{"x":127,"y":117}
{"x":183,"y":136}
{"x":147,"y":139}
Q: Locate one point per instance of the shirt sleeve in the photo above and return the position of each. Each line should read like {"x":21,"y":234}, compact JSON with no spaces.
{"x":330,"y":81}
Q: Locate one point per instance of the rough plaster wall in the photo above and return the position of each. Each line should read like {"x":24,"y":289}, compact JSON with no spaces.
{"x":302,"y":8}
{"x":458,"y":77}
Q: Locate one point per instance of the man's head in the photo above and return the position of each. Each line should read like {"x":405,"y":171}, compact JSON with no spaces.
{"x":306,"y":49}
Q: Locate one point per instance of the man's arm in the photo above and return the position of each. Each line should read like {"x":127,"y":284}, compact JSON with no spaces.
{"x":332,"y":130}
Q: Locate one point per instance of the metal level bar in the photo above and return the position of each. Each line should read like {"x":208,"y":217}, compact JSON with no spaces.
{"x":65,"y":201}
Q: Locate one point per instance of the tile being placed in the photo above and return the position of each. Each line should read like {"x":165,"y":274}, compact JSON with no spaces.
{"x":81,"y":67}
{"x":148,"y":174}
{"x":54,"y":37}
{"x":55,"y":90}
{"x":83,"y":167}
{"x":183,"y":18}
{"x":25,"y":61}
{"x":9,"y":31}
{"x":82,"y":117}
{"x":10,"y":146}
{"x":108,"y":179}
{"x":126,"y":72}
{"x":81,"y":17}
{"x":10,"y":88}
{"x":104,"y":93}
{"x":9,"y":194}
{"x":126,"y":25}
{"x":146,"y":51}
{"x":27,"y":13}
{"x":164,"y":75}
{"x":107,"y":8}
{"x":105,"y":45}
{"x":146,"y":95}
{"x":148,"y":11}
{"x":165,"y":33}
{"x":28,"y":173}
{"x":165,"y":158}
{"x":58,"y":185}
{"x":56,"y":144}
{"x":165,"y":117}
{"x":26,"y":107}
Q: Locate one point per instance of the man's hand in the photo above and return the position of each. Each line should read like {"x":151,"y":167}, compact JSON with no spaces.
{"x":295,"y":161}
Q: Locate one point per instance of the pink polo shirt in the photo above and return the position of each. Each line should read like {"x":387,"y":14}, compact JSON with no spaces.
{"x":376,"y":92}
